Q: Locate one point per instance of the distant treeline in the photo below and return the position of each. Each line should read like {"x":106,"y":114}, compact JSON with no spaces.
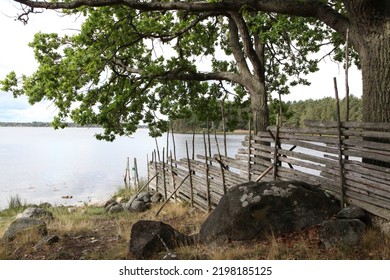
{"x":293,"y":114}
{"x":35,"y":124}
{"x":45,"y":124}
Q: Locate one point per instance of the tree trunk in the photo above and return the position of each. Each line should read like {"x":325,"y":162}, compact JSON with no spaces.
{"x":375,"y":60}
{"x":259,"y":108}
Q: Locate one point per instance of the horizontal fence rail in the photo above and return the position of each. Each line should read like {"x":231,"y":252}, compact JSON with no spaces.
{"x":355,"y":167}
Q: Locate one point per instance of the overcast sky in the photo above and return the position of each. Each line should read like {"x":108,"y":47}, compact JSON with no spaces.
{"x":15,"y":55}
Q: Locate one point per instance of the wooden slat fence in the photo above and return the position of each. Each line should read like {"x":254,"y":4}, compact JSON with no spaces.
{"x":309,"y":154}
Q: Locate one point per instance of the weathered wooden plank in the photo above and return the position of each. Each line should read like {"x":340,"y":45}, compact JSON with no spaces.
{"x":308,"y":157}
{"x":293,"y":174}
{"x":374,"y":209}
{"x":368,"y":169}
{"x":352,"y":125}
{"x":305,"y":164}
{"x":367,"y":125}
{"x":365,"y":189}
{"x":367,"y":133}
{"x":368,"y":182}
{"x":320,"y":139}
{"x":367,"y":145}
{"x":315,"y":146}
{"x":366,"y":154}
{"x":368,"y":199}
{"x":307,"y":130}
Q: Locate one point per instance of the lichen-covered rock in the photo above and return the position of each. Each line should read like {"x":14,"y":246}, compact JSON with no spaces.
{"x":252,"y":210}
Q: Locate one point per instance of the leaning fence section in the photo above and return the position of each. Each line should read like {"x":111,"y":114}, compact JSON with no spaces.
{"x":348,"y":160}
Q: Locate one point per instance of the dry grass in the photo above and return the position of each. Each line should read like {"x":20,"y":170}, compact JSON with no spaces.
{"x":91,"y":233}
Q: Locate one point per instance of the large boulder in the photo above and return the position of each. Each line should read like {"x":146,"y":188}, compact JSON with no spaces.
{"x":151,"y":237}
{"x":24,"y":226}
{"x":252,"y":210}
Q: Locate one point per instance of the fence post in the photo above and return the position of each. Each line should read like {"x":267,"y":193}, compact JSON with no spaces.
{"x":207,"y":174}
{"x":190,"y":172}
{"x":339,"y":145}
{"x":222,"y":166}
{"x":276,"y":159}
{"x":249,"y":150}
{"x":164,"y":181}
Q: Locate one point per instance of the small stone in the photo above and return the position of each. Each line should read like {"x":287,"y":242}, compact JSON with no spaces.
{"x":138,"y":206}
{"x":245,"y":204}
{"x":115,"y":209}
{"x":72,"y":210}
{"x":156,"y":197}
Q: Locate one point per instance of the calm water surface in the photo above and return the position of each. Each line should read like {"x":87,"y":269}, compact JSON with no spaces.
{"x":44,"y":165}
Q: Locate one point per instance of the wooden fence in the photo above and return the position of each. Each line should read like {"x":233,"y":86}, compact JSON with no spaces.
{"x":326,"y":154}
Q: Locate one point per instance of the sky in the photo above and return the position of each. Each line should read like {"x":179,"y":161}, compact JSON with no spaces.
{"x":15,"y":55}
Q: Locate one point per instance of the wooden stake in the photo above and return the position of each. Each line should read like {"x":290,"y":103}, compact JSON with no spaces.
{"x":190,"y":172}
{"x":136,"y":179}
{"x":172,"y":174}
{"x":174,"y":144}
{"x":339,"y":145}
{"x":156,"y":169}
{"x":164,"y":181}
{"x":172,"y":194}
{"x":224,"y":125}
{"x":347,"y":76}
{"x":264,"y":173}
{"x":158,"y":151}
{"x":276,"y":160}
{"x":249,"y":150}
{"x":207,"y":174}
{"x":220,"y":162}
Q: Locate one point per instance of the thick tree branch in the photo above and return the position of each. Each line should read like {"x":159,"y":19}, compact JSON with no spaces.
{"x":248,"y":45}
{"x":234,"y":42}
{"x":306,"y":8}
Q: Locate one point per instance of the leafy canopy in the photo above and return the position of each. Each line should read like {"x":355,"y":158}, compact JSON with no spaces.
{"x":127,"y":66}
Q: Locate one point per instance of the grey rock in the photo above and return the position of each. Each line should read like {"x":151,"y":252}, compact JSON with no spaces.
{"x":156,"y":197}
{"x":115,"y":209}
{"x":341,"y":232}
{"x":25,"y":226}
{"x":252,"y":210}
{"x":144,"y":195}
{"x":35,"y":212}
{"x":354,"y":212}
{"x":139,"y":206}
{"x":47,"y":240}
{"x":151,"y":237}
{"x":109,"y":204}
